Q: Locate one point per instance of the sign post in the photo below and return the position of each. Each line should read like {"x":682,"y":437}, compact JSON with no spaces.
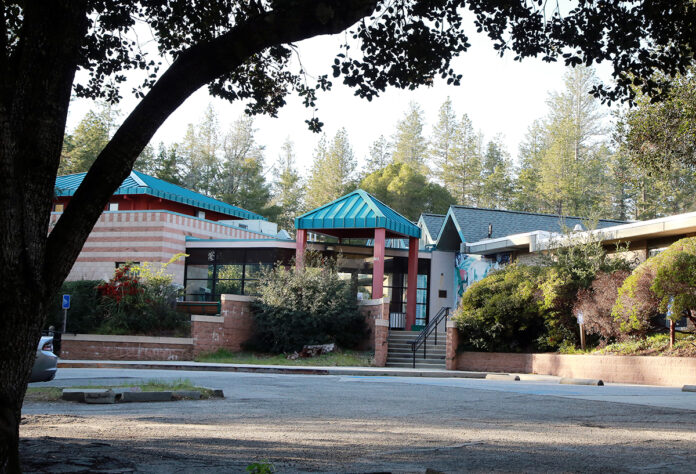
{"x":66,"y":307}
{"x":581,"y":323}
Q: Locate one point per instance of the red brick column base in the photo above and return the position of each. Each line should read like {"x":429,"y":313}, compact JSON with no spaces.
{"x":452,"y":344}
{"x":228,"y":331}
{"x":373,"y":310}
{"x":381,"y":342}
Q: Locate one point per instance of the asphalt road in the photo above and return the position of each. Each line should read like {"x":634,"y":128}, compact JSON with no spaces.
{"x":303,"y":423}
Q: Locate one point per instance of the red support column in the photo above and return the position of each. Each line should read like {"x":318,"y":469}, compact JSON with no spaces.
{"x":412,"y":284}
{"x":378,"y":264}
{"x":300,"y":246}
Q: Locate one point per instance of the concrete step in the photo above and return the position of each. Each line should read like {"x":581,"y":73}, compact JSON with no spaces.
{"x":409,"y":360}
{"x":419,"y":365}
{"x":408,"y":346}
{"x":434,"y":350}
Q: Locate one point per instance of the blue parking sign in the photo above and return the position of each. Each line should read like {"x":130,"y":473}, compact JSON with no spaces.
{"x":66,"y":301}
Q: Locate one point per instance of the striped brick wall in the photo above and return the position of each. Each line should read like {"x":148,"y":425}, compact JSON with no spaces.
{"x":144,"y":236}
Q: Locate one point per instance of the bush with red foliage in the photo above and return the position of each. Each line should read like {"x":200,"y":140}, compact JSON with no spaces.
{"x":596,"y":303}
{"x":121,"y":285}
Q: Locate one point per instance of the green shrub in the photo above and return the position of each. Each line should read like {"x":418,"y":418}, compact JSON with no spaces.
{"x":139,"y":301}
{"x":84,"y":315}
{"x":313,"y":306}
{"x":503,"y":312}
{"x":651,"y":286}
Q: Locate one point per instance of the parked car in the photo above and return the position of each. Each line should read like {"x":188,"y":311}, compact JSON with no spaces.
{"x":46,"y":363}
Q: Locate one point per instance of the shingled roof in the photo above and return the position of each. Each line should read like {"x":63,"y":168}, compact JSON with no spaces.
{"x":141,"y":183}
{"x":472,"y":224}
{"x":433,"y":224}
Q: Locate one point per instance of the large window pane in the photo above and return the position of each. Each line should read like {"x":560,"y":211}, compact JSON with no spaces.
{"x":199,"y":290}
{"x":229,"y":272}
{"x":254,"y":270}
{"x":228,"y":287}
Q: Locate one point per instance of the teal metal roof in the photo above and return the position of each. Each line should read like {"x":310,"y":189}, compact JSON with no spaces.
{"x":357,"y":210}
{"x":141,"y":183}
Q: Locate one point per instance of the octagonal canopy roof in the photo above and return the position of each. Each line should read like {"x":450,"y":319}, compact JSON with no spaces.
{"x":353,"y":215}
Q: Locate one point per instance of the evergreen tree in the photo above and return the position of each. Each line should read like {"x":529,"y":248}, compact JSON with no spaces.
{"x":572,"y":180}
{"x":531,"y":151}
{"x":443,"y":139}
{"x":201,"y":149}
{"x":332,"y":170}
{"x":406,"y":190}
{"x":241,"y":181}
{"x":88,"y":140}
{"x":288,"y":189}
{"x":380,"y":155}
{"x":461,"y":174}
{"x":496,"y":176}
{"x":410,"y":145}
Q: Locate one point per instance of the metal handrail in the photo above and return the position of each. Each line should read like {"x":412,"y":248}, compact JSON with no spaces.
{"x":422,"y":338}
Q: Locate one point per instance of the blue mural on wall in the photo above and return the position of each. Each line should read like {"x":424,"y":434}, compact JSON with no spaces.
{"x":469,"y":269}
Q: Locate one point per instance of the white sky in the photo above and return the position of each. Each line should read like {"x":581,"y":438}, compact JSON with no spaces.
{"x":499,"y":95}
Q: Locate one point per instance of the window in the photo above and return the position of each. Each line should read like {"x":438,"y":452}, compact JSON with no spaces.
{"x":200,"y":214}
{"x":58,"y":207}
{"x":113,"y":206}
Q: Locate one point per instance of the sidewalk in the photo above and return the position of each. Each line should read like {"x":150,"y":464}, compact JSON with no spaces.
{"x":268,"y":369}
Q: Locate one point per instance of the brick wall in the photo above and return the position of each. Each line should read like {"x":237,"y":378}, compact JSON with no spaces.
{"x":376,"y":314}
{"x":238,"y":321}
{"x":207,"y":332}
{"x":669,"y":371}
{"x":144,"y":236}
{"x":103,"y":347}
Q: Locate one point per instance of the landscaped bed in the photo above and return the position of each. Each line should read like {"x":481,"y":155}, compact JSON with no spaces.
{"x":343,"y":358}
{"x":654,"y":345}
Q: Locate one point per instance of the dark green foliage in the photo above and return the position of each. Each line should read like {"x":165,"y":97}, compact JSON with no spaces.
{"x":502,"y":312}
{"x":664,"y":278}
{"x":83,"y":315}
{"x":313,"y":306}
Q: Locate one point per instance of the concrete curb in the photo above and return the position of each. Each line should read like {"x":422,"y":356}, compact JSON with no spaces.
{"x":260,"y":369}
{"x":572,"y":381}
{"x":689,"y":388}
{"x":507,"y":377}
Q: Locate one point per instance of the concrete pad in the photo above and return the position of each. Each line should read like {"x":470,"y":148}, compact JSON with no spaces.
{"x":146,"y":396}
{"x":508,"y":377}
{"x":689,"y":388}
{"x":100,"y":398}
{"x":572,"y":381}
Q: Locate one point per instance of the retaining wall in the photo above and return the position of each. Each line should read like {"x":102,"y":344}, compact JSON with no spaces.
{"x":105,"y":347}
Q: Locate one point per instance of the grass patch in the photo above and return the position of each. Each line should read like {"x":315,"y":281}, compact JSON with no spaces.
{"x":653,"y":345}
{"x":335,"y":359}
{"x":53,"y":394}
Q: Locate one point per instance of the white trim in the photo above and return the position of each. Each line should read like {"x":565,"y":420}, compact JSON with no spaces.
{"x":207,"y":319}
{"x":451,"y":324}
{"x":138,"y":339}
{"x":228,"y":297}
{"x":135,"y":178}
{"x":374,"y":302}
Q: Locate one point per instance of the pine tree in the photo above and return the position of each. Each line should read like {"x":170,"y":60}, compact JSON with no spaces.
{"x":572,"y":179}
{"x":332,"y":170}
{"x":380,"y":155}
{"x":201,"y":149}
{"x":461,"y":174}
{"x":288,"y":189}
{"x":443,"y":140}
{"x":241,"y":181}
{"x":410,"y":145}
{"x":531,"y":151}
{"x":496,"y":176}
{"x":88,"y":140}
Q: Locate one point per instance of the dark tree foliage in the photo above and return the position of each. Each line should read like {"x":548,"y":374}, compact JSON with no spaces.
{"x":241,"y":50}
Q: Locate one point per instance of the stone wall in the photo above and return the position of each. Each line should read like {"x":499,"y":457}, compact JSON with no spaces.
{"x":648,"y":370}
{"x":104,"y":347}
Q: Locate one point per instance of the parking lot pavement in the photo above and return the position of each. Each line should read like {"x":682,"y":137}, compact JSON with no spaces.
{"x":365,"y":424}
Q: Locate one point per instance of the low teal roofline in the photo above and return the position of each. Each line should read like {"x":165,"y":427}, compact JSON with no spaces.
{"x":357,"y":210}
{"x":138,"y":185}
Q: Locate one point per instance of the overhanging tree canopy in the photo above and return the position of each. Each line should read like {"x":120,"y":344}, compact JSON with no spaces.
{"x":241,"y":50}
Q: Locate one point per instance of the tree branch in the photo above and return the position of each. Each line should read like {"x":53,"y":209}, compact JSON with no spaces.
{"x":194,"y":68}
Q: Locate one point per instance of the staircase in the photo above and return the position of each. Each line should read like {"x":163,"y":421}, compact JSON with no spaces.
{"x":400,"y":354}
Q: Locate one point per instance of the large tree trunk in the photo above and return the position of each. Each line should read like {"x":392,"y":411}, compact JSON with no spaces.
{"x":33,"y":110}
{"x":34,"y":100}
